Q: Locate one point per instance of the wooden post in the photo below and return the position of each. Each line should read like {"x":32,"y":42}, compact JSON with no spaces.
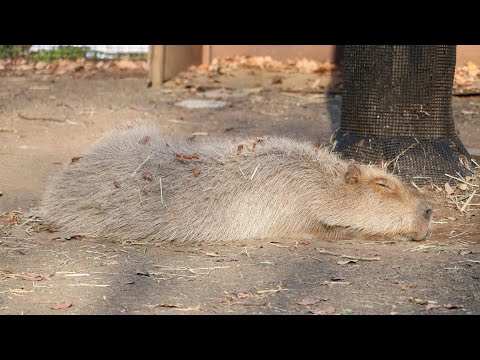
{"x":206,"y":54}
{"x":156,"y":64}
{"x":166,"y":61}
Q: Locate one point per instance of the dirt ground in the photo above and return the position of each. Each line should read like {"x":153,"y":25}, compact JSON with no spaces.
{"x":47,"y":120}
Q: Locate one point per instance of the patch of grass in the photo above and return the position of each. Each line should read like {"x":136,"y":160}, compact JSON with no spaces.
{"x":63,"y":52}
{"x":11,"y":51}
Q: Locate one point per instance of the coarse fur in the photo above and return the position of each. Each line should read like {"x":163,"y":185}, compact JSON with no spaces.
{"x":136,"y":184}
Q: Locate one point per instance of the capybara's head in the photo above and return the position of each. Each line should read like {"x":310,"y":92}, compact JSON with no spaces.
{"x":378,"y":203}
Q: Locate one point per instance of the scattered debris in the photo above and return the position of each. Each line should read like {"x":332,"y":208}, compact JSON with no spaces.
{"x":345,"y":262}
{"x":62,"y":306}
{"x":144,"y":140}
{"x":75,"y":159}
{"x":451,"y":307}
{"x":308,"y":301}
{"x":329,"y":310}
{"x":323,"y":251}
{"x":187,"y":157}
{"x":147,"y":175}
{"x":420,"y":301}
{"x":196,"y":170}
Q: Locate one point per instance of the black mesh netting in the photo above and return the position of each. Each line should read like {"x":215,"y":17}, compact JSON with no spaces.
{"x":397,"y":111}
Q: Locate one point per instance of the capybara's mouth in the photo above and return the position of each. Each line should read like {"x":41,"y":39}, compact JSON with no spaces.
{"x":421,"y":235}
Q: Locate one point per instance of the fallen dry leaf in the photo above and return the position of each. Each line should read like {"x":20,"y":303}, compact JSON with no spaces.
{"x":117,"y":184}
{"x":147,"y":175}
{"x":277,"y":80}
{"x":187,"y":157}
{"x":243,"y":295}
{"x":345,"y":262}
{"x":62,"y":306}
{"x":448,"y":189}
{"x":420,"y":301}
{"x":239,"y":149}
{"x":310,"y":301}
{"x":431,"y":307}
{"x":465,"y":252}
{"x":196,"y":170}
{"x":75,"y":159}
{"x":451,"y":307}
{"x":10,"y":219}
{"x":145,"y":140}
{"x":329,"y":310}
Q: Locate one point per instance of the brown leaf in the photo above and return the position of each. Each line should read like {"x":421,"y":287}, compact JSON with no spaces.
{"x":465,"y":252}
{"x":463,"y":187}
{"x":167,"y":306}
{"x":239,"y":149}
{"x":448,"y":189}
{"x":147,"y":175}
{"x":451,"y":307}
{"x":75,"y":159}
{"x":431,"y":307}
{"x":74,"y":237}
{"x":317,"y":144}
{"x":196,"y":170}
{"x":420,"y":301}
{"x":345,"y":262}
{"x":117,"y":184}
{"x":62,"y":306}
{"x":145,"y":140}
{"x":277,"y":80}
{"x":187,"y":157}
{"x":11,"y":219}
{"x":329,"y":310}
{"x":243,"y":295}
{"x":310,"y":301}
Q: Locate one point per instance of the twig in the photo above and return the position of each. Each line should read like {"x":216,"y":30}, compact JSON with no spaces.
{"x":278,"y":245}
{"x":161,"y":190}
{"x":272,"y":290}
{"x":416,"y":187}
{"x":254,"y":173}
{"x":144,"y":161}
{"x":40,"y":118}
{"x":468,"y":201}
{"x":348,"y":256}
{"x":458,"y":179}
{"x":242,"y":173}
{"x":92,"y":285}
{"x":450,"y":237}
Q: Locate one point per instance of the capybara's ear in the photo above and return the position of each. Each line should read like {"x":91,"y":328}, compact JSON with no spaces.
{"x":353,"y":174}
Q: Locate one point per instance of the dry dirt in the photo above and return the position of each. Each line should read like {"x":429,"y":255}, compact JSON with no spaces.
{"x":45,"y":121}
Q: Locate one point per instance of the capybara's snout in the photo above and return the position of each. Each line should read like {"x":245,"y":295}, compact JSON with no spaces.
{"x":423,"y":222}
{"x":427,"y":211}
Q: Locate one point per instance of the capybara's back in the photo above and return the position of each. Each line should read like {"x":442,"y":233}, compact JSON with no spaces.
{"x":138,"y":185}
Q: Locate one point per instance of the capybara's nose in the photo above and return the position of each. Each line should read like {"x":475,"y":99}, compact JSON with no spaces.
{"x":427,"y":212}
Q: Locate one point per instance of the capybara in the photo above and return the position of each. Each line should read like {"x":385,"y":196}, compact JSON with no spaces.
{"x":138,"y":185}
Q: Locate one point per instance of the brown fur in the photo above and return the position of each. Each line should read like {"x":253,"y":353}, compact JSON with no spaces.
{"x":138,"y":185}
